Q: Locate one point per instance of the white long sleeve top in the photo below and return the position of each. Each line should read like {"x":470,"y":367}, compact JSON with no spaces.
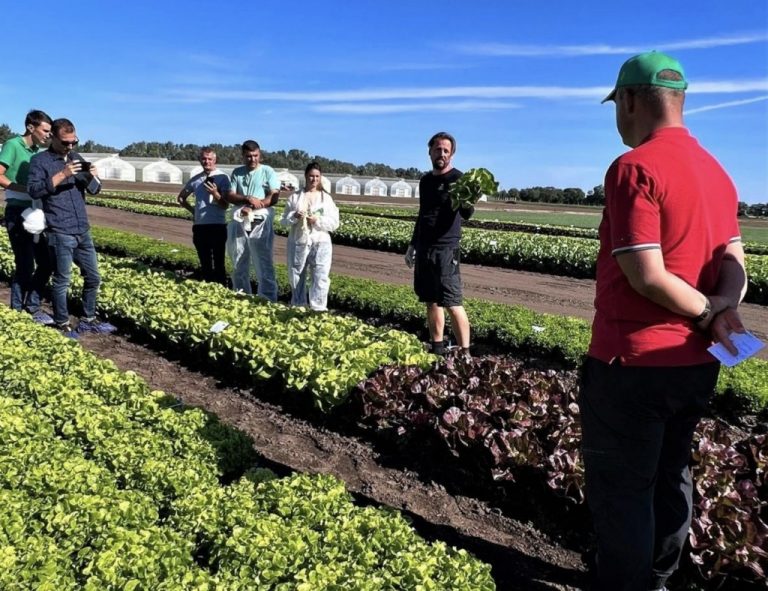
{"x":322,"y":207}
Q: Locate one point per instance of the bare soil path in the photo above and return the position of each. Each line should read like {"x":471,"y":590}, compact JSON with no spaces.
{"x":522,"y":557}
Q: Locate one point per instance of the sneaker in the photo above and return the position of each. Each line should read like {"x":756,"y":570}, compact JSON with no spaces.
{"x":66,"y":329}
{"x":42,"y":318}
{"x":95,"y":326}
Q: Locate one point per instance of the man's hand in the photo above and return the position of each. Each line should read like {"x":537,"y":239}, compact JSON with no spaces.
{"x":725,"y":323}
{"x":410,"y":256}
{"x":72,"y":168}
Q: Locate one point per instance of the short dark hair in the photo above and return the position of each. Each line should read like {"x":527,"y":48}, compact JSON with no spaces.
{"x":443,"y":135}
{"x":657,"y":96}
{"x":250,"y":146}
{"x":62,"y":125}
{"x":35,"y":118}
{"x":312,"y":166}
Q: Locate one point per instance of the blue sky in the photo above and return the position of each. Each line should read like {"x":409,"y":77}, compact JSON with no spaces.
{"x":518,"y":83}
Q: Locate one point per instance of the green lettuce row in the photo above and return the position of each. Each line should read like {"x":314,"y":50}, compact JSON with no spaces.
{"x":159,"y":209}
{"x":69,"y":520}
{"x":322,"y":354}
{"x":557,"y":255}
{"x":515,"y":328}
{"x":408,"y":212}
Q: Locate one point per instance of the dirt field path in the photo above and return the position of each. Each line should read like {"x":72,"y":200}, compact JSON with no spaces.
{"x":522,"y":557}
{"x":543,"y":293}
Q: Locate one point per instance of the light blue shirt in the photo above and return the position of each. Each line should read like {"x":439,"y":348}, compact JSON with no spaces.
{"x":208,"y":211}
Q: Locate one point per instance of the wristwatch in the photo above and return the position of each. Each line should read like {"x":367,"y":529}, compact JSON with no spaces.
{"x":705,"y":313}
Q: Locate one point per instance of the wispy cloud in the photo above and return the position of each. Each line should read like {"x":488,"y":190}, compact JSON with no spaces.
{"x":726,"y":105}
{"x":383,"y":94}
{"x":728,"y":86}
{"x":445,"y":92}
{"x":377,"y":108}
{"x":417,"y":66}
{"x":513,"y":50}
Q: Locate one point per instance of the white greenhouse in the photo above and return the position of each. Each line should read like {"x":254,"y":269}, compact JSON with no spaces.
{"x":158,"y":171}
{"x":189,"y":168}
{"x":376,"y":188}
{"x":288,"y":178}
{"x":347,"y":186}
{"x":112,"y":167}
{"x":401,"y":189}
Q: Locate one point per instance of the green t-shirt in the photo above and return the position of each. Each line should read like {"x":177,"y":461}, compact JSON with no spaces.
{"x":252,"y":183}
{"x":15,"y":156}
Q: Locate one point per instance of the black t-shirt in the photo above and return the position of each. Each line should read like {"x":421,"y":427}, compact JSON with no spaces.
{"x":437,"y":224}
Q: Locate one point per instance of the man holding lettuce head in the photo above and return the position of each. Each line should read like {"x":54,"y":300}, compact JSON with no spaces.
{"x":434,"y":247}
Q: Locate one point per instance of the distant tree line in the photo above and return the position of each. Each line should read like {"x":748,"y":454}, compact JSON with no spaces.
{"x":755,"y":210}
{"x":297,"y":159}
{"x":596,"y":196}
{"x":293,"y":159}
{"x":570,"y":196}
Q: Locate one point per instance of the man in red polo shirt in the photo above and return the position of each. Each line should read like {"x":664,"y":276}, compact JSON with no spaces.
{"x":670,"y":277}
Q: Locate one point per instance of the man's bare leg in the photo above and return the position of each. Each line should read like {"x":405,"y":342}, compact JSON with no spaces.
{"x":460,"y":324}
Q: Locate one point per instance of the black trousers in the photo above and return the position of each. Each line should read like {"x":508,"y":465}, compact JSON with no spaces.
{"x":210,"y":241}
{"x":33,"y":265}
{"x":637,"y":429}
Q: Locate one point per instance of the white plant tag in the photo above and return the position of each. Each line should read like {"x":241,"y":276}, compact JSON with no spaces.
{"x":218,"y":327}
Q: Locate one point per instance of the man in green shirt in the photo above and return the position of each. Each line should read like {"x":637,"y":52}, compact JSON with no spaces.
{"x":30,"y":251}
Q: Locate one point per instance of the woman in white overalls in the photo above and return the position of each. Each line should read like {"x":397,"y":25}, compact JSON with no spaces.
{"x":311,"y":215}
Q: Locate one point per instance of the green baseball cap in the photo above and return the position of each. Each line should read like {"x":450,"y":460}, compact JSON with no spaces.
{"x":645,"y":69}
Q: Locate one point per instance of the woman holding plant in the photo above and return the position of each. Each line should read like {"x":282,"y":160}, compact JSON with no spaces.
{"x":311,"y":216}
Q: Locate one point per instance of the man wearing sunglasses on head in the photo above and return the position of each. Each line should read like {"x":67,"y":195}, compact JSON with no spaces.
{"x":60,"y":178}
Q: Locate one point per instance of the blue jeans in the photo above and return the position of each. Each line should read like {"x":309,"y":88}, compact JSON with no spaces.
{"x":66,"y":249}
{"x":637,"y":427}
{"x":32,"y":263}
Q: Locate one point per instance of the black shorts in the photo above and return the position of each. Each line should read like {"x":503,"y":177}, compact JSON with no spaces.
{"x":437,"y":278}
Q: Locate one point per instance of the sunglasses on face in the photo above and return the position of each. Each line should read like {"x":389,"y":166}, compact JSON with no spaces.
{"x":69,"y":144}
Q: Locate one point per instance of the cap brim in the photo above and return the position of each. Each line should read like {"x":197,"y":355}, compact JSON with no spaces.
{"x":610,"y":97}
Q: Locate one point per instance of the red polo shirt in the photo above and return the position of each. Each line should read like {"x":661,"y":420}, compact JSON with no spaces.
{"x":669,"y":194}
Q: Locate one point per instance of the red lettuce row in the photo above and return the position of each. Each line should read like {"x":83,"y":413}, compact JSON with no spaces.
{"x":502,"y":420}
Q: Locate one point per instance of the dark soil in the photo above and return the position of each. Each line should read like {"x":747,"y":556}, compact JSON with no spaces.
{"x":290,"y":438}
